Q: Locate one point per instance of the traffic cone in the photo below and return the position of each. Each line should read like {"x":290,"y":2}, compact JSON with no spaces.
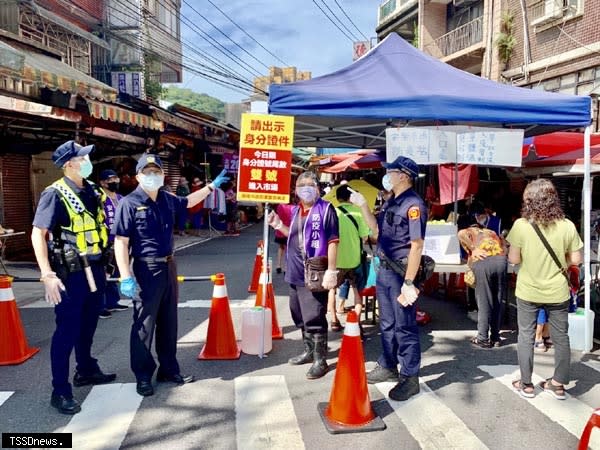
{"x":349,"y":409}
{"x":587,"y":431}
{"x":13,"y":342}
{"x":220,"y":338}
{"x":276,"y":332}
{"x":258,"y":263}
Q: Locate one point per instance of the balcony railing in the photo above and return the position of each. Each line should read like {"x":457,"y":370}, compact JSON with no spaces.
{"x":462,"y":37}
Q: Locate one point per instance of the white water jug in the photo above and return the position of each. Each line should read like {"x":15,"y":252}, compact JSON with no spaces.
{"x":256,"y":322}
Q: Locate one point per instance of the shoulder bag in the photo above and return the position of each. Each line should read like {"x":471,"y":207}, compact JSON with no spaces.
{"x":314,"y":267}
{"x":364,"y":262}
{"x":563,"y":270}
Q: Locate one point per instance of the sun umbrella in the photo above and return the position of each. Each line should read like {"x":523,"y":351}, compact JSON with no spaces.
{"x":370,"y":192}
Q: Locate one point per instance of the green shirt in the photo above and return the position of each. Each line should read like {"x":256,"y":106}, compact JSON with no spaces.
{"x":539,"y":279}
{"x":350,"y":245}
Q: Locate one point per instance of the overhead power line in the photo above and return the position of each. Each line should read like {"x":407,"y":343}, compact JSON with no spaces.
{"x":351,"y":21}
{"x":346,"y":32}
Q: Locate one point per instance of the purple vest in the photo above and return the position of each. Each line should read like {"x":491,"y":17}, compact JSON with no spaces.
{"x":315,"y":241}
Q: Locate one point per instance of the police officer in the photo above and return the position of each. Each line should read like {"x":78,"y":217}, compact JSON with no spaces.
{"x":400,"y":228}
{"x":71,"y":214}
{"x":144,"y":228}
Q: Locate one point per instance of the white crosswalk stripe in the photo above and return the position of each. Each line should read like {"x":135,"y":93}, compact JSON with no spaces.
{"x":571,"y":413}
{"x":265,"y":417}
{"x":4,"y":395}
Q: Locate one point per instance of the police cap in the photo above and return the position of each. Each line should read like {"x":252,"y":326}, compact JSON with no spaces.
{"x":146,"y":159}
{"x":106,"y":174}
{"x":406,"y":165}
{"x":68,"y":151}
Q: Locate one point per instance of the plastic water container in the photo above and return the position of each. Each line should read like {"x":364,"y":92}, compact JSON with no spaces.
{"x":577,"y":328}
{"x":254,"y":322}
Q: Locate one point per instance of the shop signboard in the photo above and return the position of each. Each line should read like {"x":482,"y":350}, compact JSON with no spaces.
{"x":265,"y":162}
{"x":456,"y":144}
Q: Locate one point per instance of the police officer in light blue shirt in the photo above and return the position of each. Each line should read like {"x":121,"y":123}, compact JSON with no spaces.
{"x":143,"y":230}
{"x":400,"y":229}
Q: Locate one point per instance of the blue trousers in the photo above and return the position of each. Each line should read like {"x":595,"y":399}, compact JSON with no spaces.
{"x":111,"y":295}
{"x":309,"y":309}
{"x":399,"y":330}
{"x":154,"y":309}
{"x":76,"y":319}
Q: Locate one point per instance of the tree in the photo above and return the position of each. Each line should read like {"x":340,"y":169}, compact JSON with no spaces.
{"x":200,"y":102}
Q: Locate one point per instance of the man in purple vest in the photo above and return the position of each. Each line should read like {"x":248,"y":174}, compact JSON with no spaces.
{"x":313,"y":232}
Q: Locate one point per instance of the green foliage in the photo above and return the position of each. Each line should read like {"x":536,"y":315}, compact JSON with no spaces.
{"x":200,"y":102}
{"x":415,"y":39}
{"x":506,"y":39}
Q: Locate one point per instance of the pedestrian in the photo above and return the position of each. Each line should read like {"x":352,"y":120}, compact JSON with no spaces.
{"x":400,"y":232}
{"x":231,"y":208}
{"x":487,"y":259}
{"x":183,"y":190}
{"x":143,"y":230}
{"x":313,"y":233}
{"x":197,"y":213}
{"x":353,"y":231}
{"x":284,"y":211}
{"x":109,"y":181}
{"x":541,"y":283}
{"x":68,"y":237}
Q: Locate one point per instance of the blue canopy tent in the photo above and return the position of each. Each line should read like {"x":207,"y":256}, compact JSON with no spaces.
{"x":396,"y":84}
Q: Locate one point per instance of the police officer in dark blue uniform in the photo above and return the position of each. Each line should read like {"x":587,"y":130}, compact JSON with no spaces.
{"x":70,"y":213}
{"x":143,"y":229}
{"x":400,"y":228}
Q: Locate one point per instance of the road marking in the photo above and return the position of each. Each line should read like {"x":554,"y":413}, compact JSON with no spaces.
{"x":245,"y":303}
{"x":592,"y":364}
{"x":430,"y":422}
{"x":264,"y":414}
{"x":571,"y":413}
{"x":4,"y":396}
{"x":105,"y":416}
{"x":195,"y":335}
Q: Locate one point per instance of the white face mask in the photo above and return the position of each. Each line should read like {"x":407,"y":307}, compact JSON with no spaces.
{"x":151,"y":182}
{"x":307,"y":194}
{"x":386,"y":182}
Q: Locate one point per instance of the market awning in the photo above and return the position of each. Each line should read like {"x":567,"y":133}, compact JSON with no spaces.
{"x":37,"y":109}
{"x":343,"y":165}
{"x":44,"y":71}
{"x":100,"y":110}
{"x":172,"y":119}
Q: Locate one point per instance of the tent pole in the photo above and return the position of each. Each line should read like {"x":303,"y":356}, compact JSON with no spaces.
{"x":264,"y":276}
{"x":456,"y":192}
{"x":587,"y":217}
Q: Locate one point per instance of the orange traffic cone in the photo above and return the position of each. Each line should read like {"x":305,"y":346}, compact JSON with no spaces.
{"x":349,"y":409}
{"x":13,"y":342}
{"x":258,"y":262}
{"x":587,"y":431}
{"x":276,"y":332}
{"x":220,"y":339}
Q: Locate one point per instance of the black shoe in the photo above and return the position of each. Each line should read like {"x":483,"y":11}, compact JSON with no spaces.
{"x":381,"y":374}
{"x":479,"y":343}
{"x":144,"y":388}
{"x":105,"y":314}
{"x":177,"y":378}
{"x":64,"y":404}
{"x":278,"y":270}
{"x":118,"y":307}
{"x":405,"y":389}
{"x":95,"y":378}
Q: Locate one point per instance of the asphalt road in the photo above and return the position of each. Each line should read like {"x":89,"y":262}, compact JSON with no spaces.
{"x":465,"y":401}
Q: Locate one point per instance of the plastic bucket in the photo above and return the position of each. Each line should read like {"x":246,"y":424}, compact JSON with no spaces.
{"x":256,"y":323}
{"x":577,"y":328}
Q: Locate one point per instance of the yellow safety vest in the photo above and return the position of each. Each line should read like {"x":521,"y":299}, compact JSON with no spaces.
{"x":88,"y":233}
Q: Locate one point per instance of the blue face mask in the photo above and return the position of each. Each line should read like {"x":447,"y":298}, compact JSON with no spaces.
{"x":85,"y":168}
{"x":386,"y":182}
{"x":307,"y":194}
{"x":152,"y":182}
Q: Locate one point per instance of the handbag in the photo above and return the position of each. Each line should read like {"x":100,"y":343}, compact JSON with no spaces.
{"x":572,"y":289}
{"x":314,"y":271}
{"x":470,"y":278}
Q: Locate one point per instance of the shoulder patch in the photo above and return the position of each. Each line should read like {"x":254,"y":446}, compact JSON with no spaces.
{"x":414,"y":212}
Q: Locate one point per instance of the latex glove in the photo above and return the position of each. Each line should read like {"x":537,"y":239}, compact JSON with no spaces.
{"x":358,"y":199}
{"x":330,"y":279}
{"x":221,"y":178}
{"x":409,"y":293}
{"x":52,"y":287}
{"x":274,"y":220}
{"x":128,"y":287}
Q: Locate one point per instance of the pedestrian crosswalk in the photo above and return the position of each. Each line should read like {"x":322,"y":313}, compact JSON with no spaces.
{"x":4,"y":396}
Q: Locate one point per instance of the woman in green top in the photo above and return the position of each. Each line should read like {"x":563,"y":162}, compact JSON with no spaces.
{"x":541,"y":284}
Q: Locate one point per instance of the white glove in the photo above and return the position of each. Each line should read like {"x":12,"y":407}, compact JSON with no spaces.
{"x":410,"y":293}
{"x":52,"y":286}
{"x":330,"y":279}
{"x":274,"y":221}
{"x":358,"y":199}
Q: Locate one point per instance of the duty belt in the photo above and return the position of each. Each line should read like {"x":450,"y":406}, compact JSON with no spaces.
{"x":155,"y":259}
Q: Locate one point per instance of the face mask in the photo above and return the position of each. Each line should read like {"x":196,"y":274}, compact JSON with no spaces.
{"x":386,"y":182}
{"x":113,"y":186}
{"x":85,"y":168}
{"x":152,"y":182}
{"x":307,"y":193}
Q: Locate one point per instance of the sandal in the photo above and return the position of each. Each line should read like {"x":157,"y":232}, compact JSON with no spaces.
{"x":548,"y":341}
{"x":558,"y":391}
{"x":336,"y":326}
{"x":525,"y":390}
{"x":540,"y":346}
{"x":479,"y":343}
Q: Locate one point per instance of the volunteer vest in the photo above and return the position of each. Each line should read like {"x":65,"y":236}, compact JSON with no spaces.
{"x":86,"y":232}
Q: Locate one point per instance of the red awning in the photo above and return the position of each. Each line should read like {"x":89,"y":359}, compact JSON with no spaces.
{"x":551,"y":144}
{"x":567,"y":158}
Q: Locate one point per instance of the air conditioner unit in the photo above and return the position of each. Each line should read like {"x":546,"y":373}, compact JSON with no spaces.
{"x":553,"y":9}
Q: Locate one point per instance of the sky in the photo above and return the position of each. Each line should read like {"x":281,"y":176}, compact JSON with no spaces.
{"x":292,"y":32}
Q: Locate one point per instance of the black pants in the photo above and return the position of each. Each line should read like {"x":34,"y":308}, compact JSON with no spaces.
{"x":309,"y":309}
{"x":490,"y":279}
{"x":156,"y":308}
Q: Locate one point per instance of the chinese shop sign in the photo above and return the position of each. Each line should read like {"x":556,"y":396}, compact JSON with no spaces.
{"x":265,"y":165}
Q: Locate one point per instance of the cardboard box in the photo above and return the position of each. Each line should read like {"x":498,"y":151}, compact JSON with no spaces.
{"x":441,"y":243}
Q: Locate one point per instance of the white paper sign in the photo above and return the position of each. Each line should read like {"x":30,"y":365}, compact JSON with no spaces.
{"x":456,"y":144}
{"x":441,"y":243}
